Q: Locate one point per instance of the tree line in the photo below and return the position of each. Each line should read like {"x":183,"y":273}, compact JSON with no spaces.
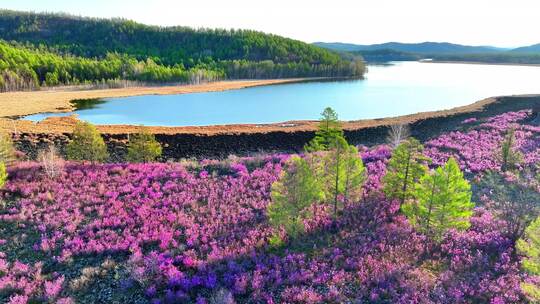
{"x":27,"y":68}
{"x":51,"y":49}
{"x":94,"y":37}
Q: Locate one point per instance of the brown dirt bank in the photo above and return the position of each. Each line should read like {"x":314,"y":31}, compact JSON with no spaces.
{"x":16,"y":104}
{"x":221,"y":141}
{"x":60,"y":125}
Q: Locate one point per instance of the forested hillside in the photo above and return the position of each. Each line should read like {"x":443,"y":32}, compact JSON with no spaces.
{"x":123,"y":49}
{"x":417,"y":48}
{"x":394,"y":51}
{"x":23,"y":68}
{"x":528,"y":49}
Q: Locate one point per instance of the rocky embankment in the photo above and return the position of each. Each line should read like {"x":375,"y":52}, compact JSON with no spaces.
{"x":182,"y":145}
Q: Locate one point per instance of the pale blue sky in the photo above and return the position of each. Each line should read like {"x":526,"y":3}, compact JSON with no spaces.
{"x":478,"y":22}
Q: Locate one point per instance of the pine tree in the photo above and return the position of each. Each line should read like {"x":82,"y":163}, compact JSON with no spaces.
{"x":143,"y":147}
{"x":344,"y":173}
{"x":405,"y":168}
{"x":296,"y":190}
{"x":329,"y":131}
{"x":529,"y":248}
{"x":355,"y":175}
{"x":335,"y":165}
{"x":443,"y":202}
{"x":86,"y":144}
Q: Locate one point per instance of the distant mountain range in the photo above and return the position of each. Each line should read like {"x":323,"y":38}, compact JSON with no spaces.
{"x":425,"y":48}
{"x":528,"y":49}
{"x":442,"y":51}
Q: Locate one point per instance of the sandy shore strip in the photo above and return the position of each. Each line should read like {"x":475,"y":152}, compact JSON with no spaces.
{"x":16,"y":104}
{"x":65,"y":124}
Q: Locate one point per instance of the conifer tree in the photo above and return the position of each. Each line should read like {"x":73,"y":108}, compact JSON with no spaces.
{"x":443,"y":202}
{"x":344,"y":173}
{"x":405,"y":168}
{"x":529,"y":248}
{"x":355,"y":175}
{"x":296,"y":190}
{"x":86,"y":144}
{"x":329,"y":131}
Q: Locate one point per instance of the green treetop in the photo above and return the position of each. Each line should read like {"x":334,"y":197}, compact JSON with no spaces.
{"x":344,"y":172}
{"x":405,"y":168}
{"x":443,"y":202}
{"x":529,"y":247}
{"x":296,"y":190}
{"x":328,"y":133}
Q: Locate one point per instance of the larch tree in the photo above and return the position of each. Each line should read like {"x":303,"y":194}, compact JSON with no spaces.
{"x":443,"y":202}
{"x":355,"y":175}
{"x":296,"y":190}
{"x":529,"y":248}
{"x":328,"y":132}
{"x":342,"y":171}
{"x":405,"y":168}
{"x":335,"y":160}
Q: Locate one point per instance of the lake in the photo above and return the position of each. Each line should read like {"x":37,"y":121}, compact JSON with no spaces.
{"x":393,"y":90}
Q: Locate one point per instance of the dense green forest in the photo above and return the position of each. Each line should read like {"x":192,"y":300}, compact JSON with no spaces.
{"x":52,"y":49}
{"x":25,"y":68}
{"x":386,"y":55}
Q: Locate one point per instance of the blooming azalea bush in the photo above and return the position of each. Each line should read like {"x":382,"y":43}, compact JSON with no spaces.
{"x":170,"y":233}
{"x":477,"y":149}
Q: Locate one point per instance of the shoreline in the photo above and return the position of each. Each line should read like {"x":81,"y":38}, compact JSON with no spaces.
{"x":64,"y":125}
{"x":23,"y":103}
{"x":481,"y":63}
{"x":219,"y":142}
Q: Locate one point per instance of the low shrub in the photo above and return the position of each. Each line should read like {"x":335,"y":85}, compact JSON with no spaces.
{"x":143,"y":148}
{"x":86,"y":144}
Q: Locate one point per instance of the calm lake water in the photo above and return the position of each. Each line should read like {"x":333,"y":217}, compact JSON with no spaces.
{"x":399,"y":89}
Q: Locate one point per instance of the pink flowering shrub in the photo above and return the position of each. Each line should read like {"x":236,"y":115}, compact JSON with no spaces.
{"x":194,"y":234}
{"x":477,"y":149}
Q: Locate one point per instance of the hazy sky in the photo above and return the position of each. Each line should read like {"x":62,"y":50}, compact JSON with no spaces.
{"x":478,"y":22}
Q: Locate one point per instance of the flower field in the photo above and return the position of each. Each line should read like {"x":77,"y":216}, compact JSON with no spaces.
{"x":198,"y":233}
